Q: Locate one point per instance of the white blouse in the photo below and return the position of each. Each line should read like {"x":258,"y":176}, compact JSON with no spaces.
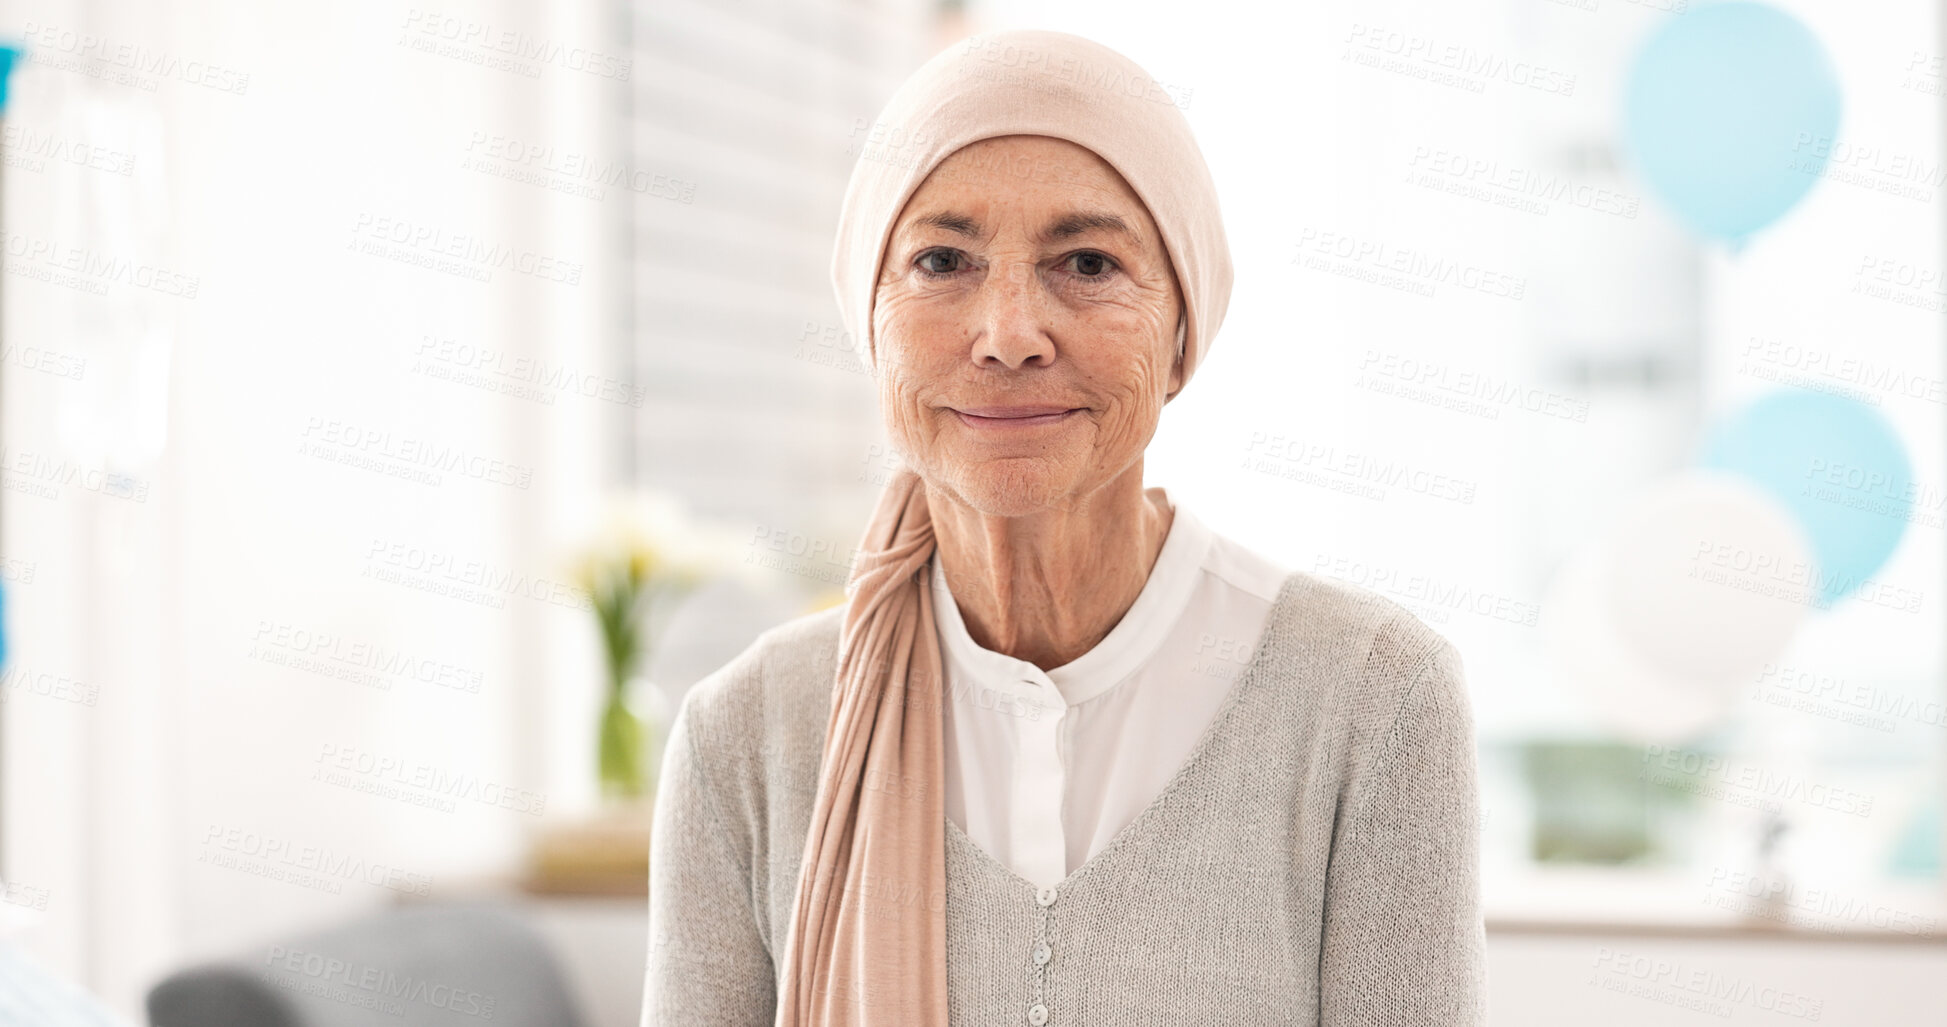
{"x":1044,"y":768}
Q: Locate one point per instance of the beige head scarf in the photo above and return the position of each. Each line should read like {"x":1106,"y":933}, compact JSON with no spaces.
{"x":867,"y":938}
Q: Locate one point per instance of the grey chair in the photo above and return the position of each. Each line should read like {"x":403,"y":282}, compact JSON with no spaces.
{"x":434,"y":965}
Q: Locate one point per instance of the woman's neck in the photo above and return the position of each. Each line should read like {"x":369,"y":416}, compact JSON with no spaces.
{"x":1047,"y":587}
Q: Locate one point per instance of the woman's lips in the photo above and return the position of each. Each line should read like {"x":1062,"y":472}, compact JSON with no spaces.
{"x":1009,"y":418}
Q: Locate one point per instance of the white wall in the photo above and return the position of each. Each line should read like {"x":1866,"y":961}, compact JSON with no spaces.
{"x":289,"y":402}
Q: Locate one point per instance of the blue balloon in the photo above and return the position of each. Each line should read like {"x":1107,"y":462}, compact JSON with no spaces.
{"x":1729,"y":113}
{"x":1838,"y":466}
{"x":9,"y":53}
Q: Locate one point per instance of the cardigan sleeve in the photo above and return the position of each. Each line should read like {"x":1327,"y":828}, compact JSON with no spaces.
{"x":1402,"y":941}
{"x":707,"y":962}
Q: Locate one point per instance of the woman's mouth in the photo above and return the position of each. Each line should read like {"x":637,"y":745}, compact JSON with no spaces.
{"x":1013,"y":418}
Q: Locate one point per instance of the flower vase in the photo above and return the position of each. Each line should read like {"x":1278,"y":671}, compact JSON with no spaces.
{"x":622,"y":750}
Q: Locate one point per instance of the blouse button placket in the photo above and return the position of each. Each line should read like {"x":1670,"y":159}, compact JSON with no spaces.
{"x":1041,"y":954}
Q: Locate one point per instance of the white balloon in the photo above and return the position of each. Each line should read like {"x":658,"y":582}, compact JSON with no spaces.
{"x":1588,"y":655}
{"x":1662,"y":653}
{"x":1710,"y":578}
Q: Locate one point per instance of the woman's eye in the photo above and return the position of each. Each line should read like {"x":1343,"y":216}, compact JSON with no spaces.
{"x":945,"y":263}
{"x":938,"y":263}
{"x":1093,"y":265}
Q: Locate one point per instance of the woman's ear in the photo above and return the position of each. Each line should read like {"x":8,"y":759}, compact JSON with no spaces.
{"x":1176,"y":369}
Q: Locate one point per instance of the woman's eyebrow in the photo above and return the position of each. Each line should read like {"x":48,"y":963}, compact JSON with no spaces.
{"x":1066,"y":226}
{"x":1082,"y":222}
{"x":959,"y":224}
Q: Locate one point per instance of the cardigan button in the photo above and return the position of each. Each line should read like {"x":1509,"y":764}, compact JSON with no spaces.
{"x":1037,"y":1014}
{"x":1045,"y":896}
{"x":1041,"y":953}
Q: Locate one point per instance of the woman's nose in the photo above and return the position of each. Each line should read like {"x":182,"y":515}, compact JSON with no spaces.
{"x":1014,"y":311}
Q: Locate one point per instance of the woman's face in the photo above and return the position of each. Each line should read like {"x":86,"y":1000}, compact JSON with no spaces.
{"x":1024,"y":326}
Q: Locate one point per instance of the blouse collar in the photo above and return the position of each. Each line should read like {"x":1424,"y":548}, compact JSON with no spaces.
{"x":1134,"y":639}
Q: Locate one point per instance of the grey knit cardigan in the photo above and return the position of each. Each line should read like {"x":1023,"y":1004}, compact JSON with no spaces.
{"x":1314,"y":860}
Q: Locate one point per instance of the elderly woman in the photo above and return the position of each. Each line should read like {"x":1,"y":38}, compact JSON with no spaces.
{"x":1065,"y":755}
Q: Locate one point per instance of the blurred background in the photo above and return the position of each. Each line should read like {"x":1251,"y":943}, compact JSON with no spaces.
{"x":401,"y":406}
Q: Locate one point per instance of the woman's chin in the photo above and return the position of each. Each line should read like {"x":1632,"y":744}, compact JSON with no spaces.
{"x":1013,"y":487}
